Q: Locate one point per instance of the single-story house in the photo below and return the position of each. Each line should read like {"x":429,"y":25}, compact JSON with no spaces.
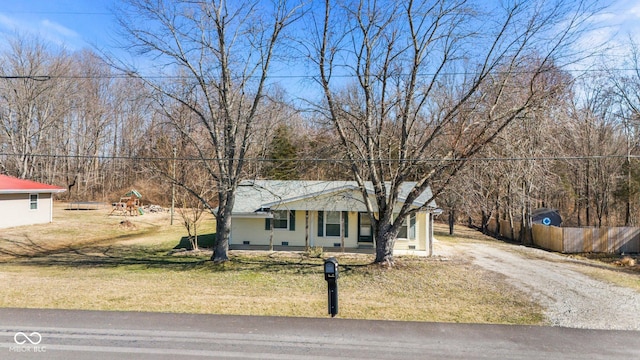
{"x":322,"y":213}
{"x":25,"y":202}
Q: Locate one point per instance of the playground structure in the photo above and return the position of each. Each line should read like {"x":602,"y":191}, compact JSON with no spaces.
{"x":129,"y":204}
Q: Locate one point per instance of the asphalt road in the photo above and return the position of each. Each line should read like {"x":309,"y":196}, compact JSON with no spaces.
{"x":71,"y":335}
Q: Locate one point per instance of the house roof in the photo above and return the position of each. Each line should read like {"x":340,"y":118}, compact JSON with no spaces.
{"x":253,"y":196}
{"x":12,"y":185}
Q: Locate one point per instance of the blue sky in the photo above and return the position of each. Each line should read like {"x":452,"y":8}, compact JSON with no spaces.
{"x":83,"y":23}
{"x":72,"y":23}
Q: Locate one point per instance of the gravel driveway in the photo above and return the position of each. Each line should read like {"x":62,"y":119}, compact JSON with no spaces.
{"x":571,"y":298}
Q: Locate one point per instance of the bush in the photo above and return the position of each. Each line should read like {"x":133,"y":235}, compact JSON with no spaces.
{"x":314,"y":252}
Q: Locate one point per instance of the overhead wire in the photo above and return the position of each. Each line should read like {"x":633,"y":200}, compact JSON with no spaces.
{"x":275,"y":76}
{"x":256,"y":159}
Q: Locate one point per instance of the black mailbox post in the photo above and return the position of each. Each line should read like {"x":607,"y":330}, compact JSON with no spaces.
{"x":331,"y":276}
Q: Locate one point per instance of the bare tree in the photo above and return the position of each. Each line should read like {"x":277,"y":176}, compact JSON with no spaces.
{"x":222,"y":53}
{"x":191,"y":212}
{"x":428,"y":90}
{"x":81,"y":134}
{"x":593,"y":135}
{"x":33,"y":98}
{"x":626,"y":89}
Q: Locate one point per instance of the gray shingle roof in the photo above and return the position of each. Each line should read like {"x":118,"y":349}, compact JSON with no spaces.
{"x":254,"y":195}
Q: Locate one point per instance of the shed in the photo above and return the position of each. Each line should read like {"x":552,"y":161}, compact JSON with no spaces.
{"x":25,"y":202}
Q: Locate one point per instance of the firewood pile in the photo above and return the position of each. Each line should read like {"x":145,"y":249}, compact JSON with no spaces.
{"x":153,"y":208}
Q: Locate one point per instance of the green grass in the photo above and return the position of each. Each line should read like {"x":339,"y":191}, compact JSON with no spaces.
{"x":134,"y":270}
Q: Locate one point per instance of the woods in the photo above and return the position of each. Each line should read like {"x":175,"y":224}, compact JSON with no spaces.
{"x":496,"y":122}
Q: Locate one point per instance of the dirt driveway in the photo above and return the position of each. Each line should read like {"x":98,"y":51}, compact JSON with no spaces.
{"x":571,"y":298}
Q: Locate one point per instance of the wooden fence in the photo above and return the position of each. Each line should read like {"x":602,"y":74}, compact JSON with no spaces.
{"x":505,"y":229}
{"x":613,"y":240}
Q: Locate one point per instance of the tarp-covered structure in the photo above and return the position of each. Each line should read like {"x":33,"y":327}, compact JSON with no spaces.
{"x":135,"y":193}
{"x":546,"y":216}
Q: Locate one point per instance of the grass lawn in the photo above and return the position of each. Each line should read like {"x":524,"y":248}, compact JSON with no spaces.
{"x":105,"y":266}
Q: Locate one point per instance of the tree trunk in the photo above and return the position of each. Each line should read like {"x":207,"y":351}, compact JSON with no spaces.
{"x":485,"y":222}
{"x":384,"y":247}
{"x":512,"y":234}
{"x":523,"y":225}
{"x":587,"y":195}
{"x":195,"y":235}
{"x":627,"y":210}
{"x":497,"y":211}
{"x":452,"y":218}
{"x":223,"y":227}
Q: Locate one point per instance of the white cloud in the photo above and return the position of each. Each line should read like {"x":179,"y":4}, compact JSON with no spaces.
{"x":635,"y":11}
{"x":612,"y":29}
{"x":62,"y":30}
{"x":8,"y":23}
{"x":45,"y":29}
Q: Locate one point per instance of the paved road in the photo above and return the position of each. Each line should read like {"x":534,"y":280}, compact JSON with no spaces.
{"x":69,"y":335}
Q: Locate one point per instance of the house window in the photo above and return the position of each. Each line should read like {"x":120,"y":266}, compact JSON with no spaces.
{"x":332,"y":223}
{"x":281,"y":219}
{"x":329,"y":223}
{"x":408,"y":228}
{"x":33,"y":201}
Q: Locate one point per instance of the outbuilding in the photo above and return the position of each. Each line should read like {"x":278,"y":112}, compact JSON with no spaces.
{"x":25,"y":202}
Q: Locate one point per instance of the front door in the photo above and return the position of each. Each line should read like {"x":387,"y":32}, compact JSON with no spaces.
{"x":365,"y":230}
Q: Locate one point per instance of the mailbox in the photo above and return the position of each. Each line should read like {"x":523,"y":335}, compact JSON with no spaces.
{"x":331,"y":276}
{"x":331,"y":269}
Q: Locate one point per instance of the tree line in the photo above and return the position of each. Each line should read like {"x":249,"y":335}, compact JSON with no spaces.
{"x":491,"y":121}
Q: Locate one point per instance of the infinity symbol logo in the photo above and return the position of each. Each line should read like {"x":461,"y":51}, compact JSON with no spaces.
{"x":34,"y":338}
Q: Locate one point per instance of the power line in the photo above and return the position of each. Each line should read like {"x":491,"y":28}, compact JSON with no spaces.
{"x":30,"y":77}
{"x":57,"y":12}
{"x":272,"y":76}
{"x":418,"y":160}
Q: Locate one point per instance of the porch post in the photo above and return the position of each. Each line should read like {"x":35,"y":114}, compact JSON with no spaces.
{"x":306,"y":229}
{"x":430,"y":235}
{"x":342,"y":230}
{"x":273,"y":219}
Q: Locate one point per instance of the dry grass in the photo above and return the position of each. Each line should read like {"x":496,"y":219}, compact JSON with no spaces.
{"x":73,"y":229}
{"x":116,"y":269}
{"x":622,"y":270}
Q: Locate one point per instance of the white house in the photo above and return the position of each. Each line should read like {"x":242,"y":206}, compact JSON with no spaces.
{"x":322,"y":213}
{"x":25,"y":202}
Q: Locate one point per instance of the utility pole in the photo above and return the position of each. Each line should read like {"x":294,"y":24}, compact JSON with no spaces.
{"x":173,"y":184}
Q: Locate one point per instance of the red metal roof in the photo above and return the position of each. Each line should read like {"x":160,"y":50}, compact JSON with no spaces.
{"x":10,"y":184}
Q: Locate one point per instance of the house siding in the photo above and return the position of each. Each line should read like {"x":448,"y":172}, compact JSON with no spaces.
{"x":253,"y":230}
{"x":15,"y":210}
{"x":419,"y":243}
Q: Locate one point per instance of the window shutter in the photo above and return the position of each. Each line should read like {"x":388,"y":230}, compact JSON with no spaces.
{"x":267,"y":224}
{"x":292,"y":220}
{"x":320,"y":223}
{"x":345,"y":216}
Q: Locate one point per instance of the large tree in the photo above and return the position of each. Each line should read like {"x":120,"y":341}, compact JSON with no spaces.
{"x":212,"y":59}
{"x":417,"y":86}
{"x":34,"y":97}
{"x":626,"y":89}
